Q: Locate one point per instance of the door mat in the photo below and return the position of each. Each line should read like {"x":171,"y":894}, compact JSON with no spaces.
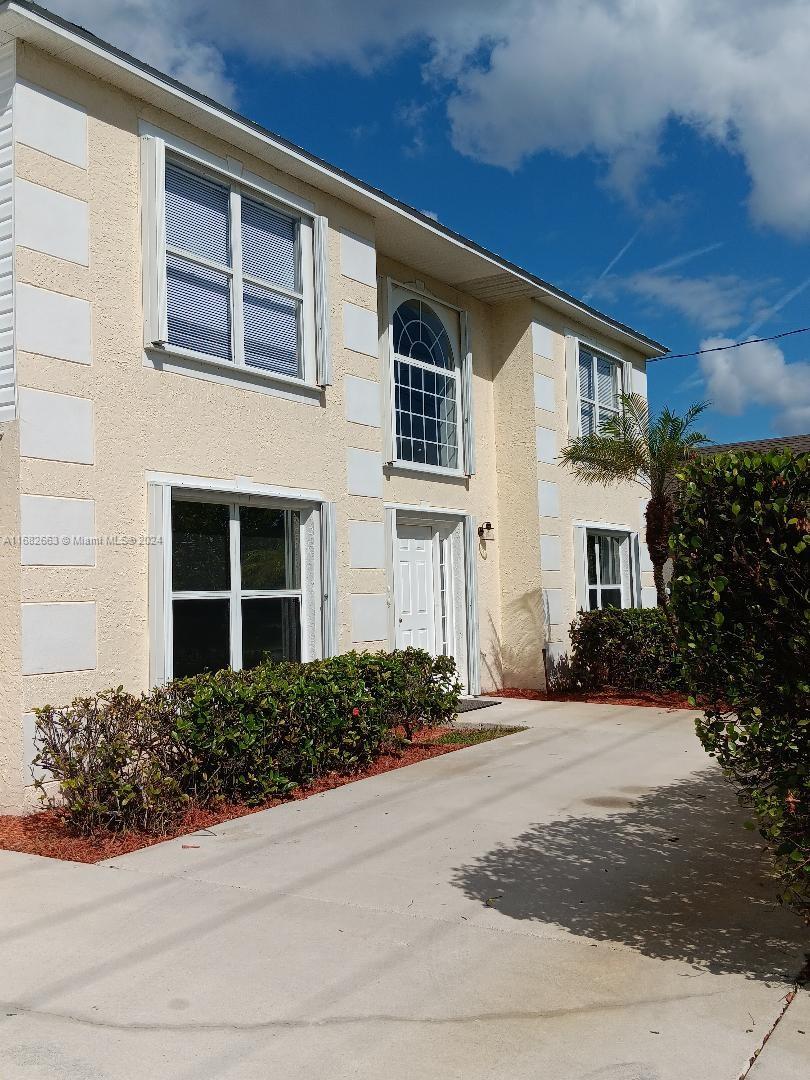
{"x":470,"y":704}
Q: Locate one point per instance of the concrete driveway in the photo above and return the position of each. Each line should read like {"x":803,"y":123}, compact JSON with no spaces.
{"x":575,"y":901}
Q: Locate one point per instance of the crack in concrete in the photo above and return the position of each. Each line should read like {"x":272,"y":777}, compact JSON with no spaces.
{"x":787,"y":1001}
{"x":12,"y":1008}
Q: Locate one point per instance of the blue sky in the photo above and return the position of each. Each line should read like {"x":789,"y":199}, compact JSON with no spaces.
{"x":675,"y":166}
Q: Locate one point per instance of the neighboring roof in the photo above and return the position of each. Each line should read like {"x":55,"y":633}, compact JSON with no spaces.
{"x":799,"y":444}
{"x":432,"y":249}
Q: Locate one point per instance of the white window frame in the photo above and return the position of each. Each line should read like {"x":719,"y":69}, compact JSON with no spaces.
{"x":317,"y":546}
{"x":461,"y":374}
{"x":312,"y":242}
{"x":620,"y":375}
{"x":628,"y":561}
{"x":236,"y":594}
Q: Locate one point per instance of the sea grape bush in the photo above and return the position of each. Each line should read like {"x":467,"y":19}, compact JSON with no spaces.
{"x":741,"y":598}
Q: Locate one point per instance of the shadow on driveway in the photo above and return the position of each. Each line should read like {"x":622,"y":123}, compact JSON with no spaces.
{"x":671,"y":873}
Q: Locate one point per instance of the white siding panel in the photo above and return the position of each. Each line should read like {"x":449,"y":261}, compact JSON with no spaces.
{"x":544,"y":392}
{"x":546,"y":441}
{"x":542,"y":340}
{"x":552,"y":599}
{"x":365,"y":475}
{"x":649,"y":597}
{"x":367,"y":545}
{"x":358,"y":258}
{"x":360,"y":329}
{"x":58,"y":637}
{"x":69,"y":521}
{"x":369,"y":618}
{"x":53,"y":324}
{"x":550,"y":553}
{"x":8,"y":386}
{"x":51,"y":124}
{"x":548,"y":497}
{"x":51,"y":222}
{"x":58,"y":427}
{"x":362,"y":401}
{"x":640,"y":380}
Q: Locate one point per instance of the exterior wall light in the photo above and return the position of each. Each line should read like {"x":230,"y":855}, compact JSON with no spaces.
{"x":486,"y":532}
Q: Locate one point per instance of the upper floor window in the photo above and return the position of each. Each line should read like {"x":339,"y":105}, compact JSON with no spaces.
{"x":599,"y":389}
{"x":233,"y":280}
{"x":231,"y":276}
{"x":426,"y":387}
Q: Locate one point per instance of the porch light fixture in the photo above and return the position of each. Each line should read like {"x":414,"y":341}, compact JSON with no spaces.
{"x":486,"y":532}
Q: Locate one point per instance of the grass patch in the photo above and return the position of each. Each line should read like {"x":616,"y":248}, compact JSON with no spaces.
{"x":472,"y":735}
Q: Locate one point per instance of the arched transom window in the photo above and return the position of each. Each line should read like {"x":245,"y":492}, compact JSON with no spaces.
{"x":426,"y":381}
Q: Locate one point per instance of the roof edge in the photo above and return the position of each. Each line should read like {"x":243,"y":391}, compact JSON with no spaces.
{"x":41,"y":16}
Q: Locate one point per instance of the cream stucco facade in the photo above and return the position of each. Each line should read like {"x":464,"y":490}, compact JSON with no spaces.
{"x":97,"y":430}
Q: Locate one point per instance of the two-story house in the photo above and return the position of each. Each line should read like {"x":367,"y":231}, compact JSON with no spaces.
{"x":251,"y":405}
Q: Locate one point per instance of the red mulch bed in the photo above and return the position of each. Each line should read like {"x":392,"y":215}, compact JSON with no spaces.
{"x":669,"y":699}
{"x":45,"y":833}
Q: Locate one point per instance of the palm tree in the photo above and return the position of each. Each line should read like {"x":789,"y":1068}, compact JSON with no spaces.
{"x":630,"y":446}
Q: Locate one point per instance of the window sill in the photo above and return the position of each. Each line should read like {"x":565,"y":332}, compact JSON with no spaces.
{"x":184,"y":362}
{"x":430,"y":470}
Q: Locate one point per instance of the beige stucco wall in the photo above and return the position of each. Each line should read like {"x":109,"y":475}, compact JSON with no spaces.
{"x":148,"y":421}
{"x":616,"y":505}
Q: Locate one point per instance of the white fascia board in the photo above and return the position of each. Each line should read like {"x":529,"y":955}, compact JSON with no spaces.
{"x":54,"y":35}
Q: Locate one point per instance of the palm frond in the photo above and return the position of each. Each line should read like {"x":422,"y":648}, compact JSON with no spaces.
{"x":631,"y":446}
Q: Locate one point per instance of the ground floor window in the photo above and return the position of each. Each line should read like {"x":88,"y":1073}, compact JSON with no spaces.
{"x":236,"y":593}
{"x":608,"y":570}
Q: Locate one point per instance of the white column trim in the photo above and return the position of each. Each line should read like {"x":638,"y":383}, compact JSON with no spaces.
{"x":329,"y":579}
{"x":572,"y":384}
{"x":580,"y":565}
{"x":323,"y":348}
{"x":471,"y":590}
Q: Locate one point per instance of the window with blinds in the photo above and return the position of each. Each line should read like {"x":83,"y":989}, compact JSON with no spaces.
{"x":599,"y":389}
{"x":233,"y":278}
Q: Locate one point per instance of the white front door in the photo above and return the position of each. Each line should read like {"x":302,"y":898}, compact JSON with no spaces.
{"x":416,"y":613}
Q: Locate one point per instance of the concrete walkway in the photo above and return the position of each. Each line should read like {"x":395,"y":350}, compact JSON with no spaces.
{"x":574,"y":902}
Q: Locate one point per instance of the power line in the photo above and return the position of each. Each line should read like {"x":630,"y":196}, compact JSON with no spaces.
{"x":735,"y":345}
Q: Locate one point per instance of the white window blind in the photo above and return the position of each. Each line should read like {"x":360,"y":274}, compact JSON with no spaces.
{"x":229,"y":276}
{"x":599,"y":380}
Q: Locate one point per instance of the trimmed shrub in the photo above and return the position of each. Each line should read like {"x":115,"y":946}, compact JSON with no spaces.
{"x":116,"y":767}
{"x":741,"y":595}
{"x":626,"y":649}
{"x":122,"y":761}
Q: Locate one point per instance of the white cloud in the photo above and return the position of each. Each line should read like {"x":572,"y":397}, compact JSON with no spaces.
{"x":714,"y":303}
{"x":596,"y":77}
{"x":757,"y":374}
{"x":164,"y":33}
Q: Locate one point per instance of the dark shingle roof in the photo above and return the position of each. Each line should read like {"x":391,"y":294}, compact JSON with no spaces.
{"x":799,"y":444}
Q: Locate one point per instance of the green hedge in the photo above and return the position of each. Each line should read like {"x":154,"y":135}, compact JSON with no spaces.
{"x":124,"y":761}
{"x":741,"y":595}
{"x":626,"y":649}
